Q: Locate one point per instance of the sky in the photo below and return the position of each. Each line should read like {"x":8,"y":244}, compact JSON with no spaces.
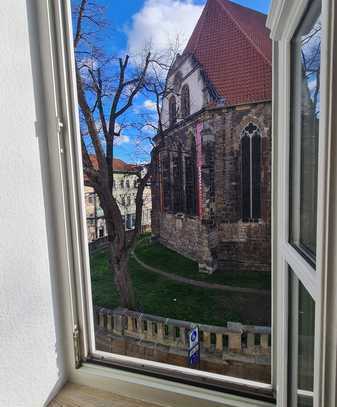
{"x":135,"y":23}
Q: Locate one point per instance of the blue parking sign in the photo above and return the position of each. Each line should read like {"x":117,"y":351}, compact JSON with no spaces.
{"x":193,"y":347}
{"x":193,"y":337}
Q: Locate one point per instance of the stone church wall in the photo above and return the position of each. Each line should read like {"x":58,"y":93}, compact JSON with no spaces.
{"x":242,"y":245}
{"x":220,"y":239}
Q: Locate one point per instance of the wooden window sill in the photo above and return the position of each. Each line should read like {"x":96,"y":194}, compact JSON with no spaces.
{"x":74,"y":395}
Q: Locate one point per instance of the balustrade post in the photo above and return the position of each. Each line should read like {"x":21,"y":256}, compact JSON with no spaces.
{"x":265,"y":341}
{"x":160,"y":331}
{"x":101,"y":319}
{"x":250,"y":340}
{"x":234,"y":342}
{"x":109,"y":322}
{"x":207,"y":340}
{"x":218,"y":343}
{"x":118,"y":324}
{"x":183,"y":335}
{"x":130,"y":324}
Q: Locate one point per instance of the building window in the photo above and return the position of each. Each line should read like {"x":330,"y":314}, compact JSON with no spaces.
{"x":172,"y":110}
{"x":178,"y":194}
{"x":190,"y":183}
{"x":127,"y":183}
{"x":166,"y":182}
{"x":121,"y":184}
{"x":185,"y":101}
{"x":101,"y":232}
{"x":128,"y":200}
{"x":135,"y":183}
{"x":251,"y":173}
{"x":129,"y":221}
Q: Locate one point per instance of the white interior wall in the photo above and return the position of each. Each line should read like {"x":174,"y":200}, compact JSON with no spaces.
{"x":31,"y":368}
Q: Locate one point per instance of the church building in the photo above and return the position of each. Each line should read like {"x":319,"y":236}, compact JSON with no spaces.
{"x":211,"y":193}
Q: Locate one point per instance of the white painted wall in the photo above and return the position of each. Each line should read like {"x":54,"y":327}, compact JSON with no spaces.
{"x":196,"y":85}
{"x":31,"y":367}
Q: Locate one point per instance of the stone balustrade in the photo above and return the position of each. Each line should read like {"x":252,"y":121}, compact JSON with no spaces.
{"x":235,"y":339}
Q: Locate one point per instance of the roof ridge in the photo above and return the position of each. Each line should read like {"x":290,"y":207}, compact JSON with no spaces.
{"x":222,"y":3}
{"x":201,"y":20}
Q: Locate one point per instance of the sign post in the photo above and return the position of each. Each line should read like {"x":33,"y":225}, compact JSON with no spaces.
{"x":194,"y":347}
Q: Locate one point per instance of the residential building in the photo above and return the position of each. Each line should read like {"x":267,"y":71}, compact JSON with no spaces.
{"x":124,"y":191}
{"x":212,"y":190}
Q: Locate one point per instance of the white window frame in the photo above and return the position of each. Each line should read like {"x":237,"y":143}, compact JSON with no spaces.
{"x":284,"y":19}
{"x":61,"y":117}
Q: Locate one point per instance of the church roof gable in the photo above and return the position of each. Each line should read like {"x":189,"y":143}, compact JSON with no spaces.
{"x":232,"y":45}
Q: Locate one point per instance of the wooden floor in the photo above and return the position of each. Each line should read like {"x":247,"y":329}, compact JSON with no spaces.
{"x":74,"y":395}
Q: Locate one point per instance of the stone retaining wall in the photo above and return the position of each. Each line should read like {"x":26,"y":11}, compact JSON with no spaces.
{"x":238,"y":350}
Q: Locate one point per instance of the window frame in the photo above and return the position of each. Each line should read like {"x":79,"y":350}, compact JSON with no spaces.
{"x":70,"y":236}
{"x":54,"y":20}
{"x":284,"y":19}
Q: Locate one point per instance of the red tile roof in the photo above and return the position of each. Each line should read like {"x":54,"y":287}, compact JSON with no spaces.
{"x":232,"y":44}
{"x":118,"y":165}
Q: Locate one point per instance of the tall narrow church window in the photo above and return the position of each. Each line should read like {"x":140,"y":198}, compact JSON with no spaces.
{"x":178,"y":196}
{"x":185,"y":101}
{"x":166,"y":182}
{"x":173,"y":110}
{"x":190,"y":182}
{"x":251,"y":173}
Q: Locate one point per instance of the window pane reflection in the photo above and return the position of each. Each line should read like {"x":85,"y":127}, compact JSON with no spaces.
{"x":301,"y":343}
{"x":305,"y":133}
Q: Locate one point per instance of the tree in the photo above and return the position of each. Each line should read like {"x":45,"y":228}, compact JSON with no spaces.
{"x":106,"y":91}
{"x":106,"y":88}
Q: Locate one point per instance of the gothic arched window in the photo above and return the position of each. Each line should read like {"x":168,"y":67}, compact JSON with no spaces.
{"x":251,"y":173}
{"x":172,"y":110}
{"x":185,"y":101}
{"x":190,"y":180}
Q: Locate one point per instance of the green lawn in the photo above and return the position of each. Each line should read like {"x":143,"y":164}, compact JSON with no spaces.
{"x":156,"y":255}
{"x":166,"y":298}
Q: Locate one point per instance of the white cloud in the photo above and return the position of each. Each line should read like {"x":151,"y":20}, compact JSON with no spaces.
{"x":160,"y":23}
{"x":122,"y":139}
{"x":150,"y":105}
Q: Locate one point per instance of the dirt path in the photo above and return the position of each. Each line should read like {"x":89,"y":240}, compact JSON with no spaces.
{"x":202,"y":284}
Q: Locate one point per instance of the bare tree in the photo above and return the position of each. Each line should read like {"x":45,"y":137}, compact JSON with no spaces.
{"x":107,"y":87}
{"x":106,"y":91}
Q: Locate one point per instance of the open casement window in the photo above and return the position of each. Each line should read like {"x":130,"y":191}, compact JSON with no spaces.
{"x":303,"y":179}
{"x":304,"y":267}
{"x":239,"y":353}
{"x":303,"y":132}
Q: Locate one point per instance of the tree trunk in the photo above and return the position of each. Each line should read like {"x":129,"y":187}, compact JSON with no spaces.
{"x":118,"y":250}
{"x":122,"y":278}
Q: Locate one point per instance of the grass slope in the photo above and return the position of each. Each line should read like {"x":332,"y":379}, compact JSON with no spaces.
{"x":159,"y":296}
{"x":156,"y":255}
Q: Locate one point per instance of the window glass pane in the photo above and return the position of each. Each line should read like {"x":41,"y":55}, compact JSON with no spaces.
{"x":179,"y":236}
{"x":301,"y":343}
{"x":305,"y":132}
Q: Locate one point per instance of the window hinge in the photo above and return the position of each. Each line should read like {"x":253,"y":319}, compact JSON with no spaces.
{"x":77,"y":347}
{"x":59,"y":129}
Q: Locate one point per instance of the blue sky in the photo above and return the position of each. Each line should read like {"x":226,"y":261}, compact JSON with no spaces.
{"x":135,"y":22}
